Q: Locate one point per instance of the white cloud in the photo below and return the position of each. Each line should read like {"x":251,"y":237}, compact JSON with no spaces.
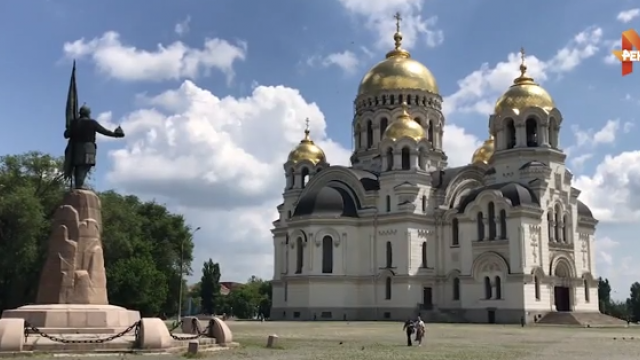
{"x":182,"y":28}
{"x":479,"y":90}
{"x":604,"y":248}
{"x":611,"y":45}
{"x":378,"y":16}
{"x":590,"y":137}
{"x":613,"y":191}
{"x":106,"y":119}
{"x":628,"y":15}
{"x":577,"y":163}
{"x":172,"y":62}
{"x":346,"y":60}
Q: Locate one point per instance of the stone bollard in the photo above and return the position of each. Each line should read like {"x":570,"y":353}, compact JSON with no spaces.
{"x":272,"y":341}
{"x":193,"y":347}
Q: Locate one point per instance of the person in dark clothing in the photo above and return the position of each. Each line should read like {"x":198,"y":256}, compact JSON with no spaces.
{"x":409,"y":327}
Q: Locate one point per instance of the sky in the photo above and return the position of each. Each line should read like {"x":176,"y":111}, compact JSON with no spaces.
{"x":213,"y":95}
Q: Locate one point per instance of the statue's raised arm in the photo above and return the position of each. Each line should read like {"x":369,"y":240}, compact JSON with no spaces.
{"x":80,"y":155}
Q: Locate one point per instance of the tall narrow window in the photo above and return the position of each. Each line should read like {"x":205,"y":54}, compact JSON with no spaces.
{"x":389,"y":159}
{"x":492,"y":221}
{"x":299,"y":256}
{"x":565,"y":228}
{"x":327,"y":255}
{"x":556,"y":227}
{"x":587,"y":295}
{"x":503,"y":224}
{"x":406,"y":159}
{"x":388,"y":203}
{"x":387,"y":289}
{"x":383,"y":125}
{"x":424,"y":203}
{"x":389,"y":255}
{"x":536,"y":282}
{"x":550,"y":225}
{"x":430,"y":131}
{"x":532,"y":132}
{"x":304,"y":177}
{"x":480,"y":226}
{"x":498,"y":288}
{"x":369,"y":134}
{"x":455,"y":240}
{"x":487,"y":287}
{"x":510,"y":134}
{"x":456,"y":289}
{"x":424,"y":254}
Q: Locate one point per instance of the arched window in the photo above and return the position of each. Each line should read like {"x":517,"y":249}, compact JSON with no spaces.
{"x":498,"y":288}
{"x":510,"y":134}
{"x":424,"y":254}
{"x":387,"y":289}
{"x":480,"y":225}
{"x":327,"y":255}
{"x":503,"y":224}
{"x":292,"y":178}
{"x":492,"y":221}
{"x":532,"y":132}
{"x":456,"y":289}
{"x":536,"y":282}
{"x":430,"y":131}
{"x":388,"y":203}
{"x":487,"y":287}
{"x":424,"y":203}
{"x":550,"y":225}
{"x":565,"y":228}
{"x":389,"y":255}
{"x":406,"y":159}
{"x":383,"y":125}
{"x":556,"y":228}
{"x":358,"y":131}
{"x":369,"y":134}
{"x":587,"y":295}
{"x":389,"y":159}
{"x":455,"y":240}
{"x":304,"y":176}
{"x":299,"y":256}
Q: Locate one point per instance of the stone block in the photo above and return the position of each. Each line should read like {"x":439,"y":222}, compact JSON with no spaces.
{"x":272,"y":341}
{"x":219,"y":330}
{"x":154,"y":335}
{"x":11,"y":335}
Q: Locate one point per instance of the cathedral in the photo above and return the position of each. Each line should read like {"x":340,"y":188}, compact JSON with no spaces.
{"x":399,"y":233}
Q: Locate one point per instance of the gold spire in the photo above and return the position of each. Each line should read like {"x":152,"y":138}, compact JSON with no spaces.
{"x":524,"y":93}
{"x":307,"y":149}
{"x":404,"y":126}
{"x":397,"y":38}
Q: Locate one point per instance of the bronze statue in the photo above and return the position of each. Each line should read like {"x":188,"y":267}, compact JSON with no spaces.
{"x":80,"y":154}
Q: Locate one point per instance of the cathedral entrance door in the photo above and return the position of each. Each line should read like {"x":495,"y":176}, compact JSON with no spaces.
{"x":427,"y":298}
{"x":562,"y":299}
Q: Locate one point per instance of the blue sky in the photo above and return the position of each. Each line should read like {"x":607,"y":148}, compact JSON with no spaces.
{"x":212,"y":95}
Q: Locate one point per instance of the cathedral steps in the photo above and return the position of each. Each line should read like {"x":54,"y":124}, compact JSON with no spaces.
{"x":580,"y":319}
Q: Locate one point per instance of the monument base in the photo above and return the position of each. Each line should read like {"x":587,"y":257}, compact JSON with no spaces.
{"x":75,"y":319}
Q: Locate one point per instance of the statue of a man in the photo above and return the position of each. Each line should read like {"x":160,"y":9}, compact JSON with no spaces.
{"x":80,"y":155}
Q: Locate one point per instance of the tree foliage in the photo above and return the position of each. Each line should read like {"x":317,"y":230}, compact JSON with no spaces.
{"x":142,"y":241}
{"x":210,"y":287}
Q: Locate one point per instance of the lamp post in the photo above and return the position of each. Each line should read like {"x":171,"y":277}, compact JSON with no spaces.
{"x":182,"y":272}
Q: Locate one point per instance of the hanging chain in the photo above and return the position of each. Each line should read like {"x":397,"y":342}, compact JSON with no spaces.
{"x":29,"y":328}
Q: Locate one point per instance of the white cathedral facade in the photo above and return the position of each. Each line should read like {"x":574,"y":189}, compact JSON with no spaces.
{"x":399,"y":233}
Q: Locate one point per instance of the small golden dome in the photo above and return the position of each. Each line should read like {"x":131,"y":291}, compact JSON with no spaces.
{"x":398,"y":71}
{"x":404,"y":126}
{"x":483,"y":154}
{"x":307,"y":150}
{"x":524,"y":93}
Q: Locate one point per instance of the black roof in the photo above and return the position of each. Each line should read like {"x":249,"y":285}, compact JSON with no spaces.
{"x":331,"y":201}
{"x":583,"y":210}
{"x":517,"y":193}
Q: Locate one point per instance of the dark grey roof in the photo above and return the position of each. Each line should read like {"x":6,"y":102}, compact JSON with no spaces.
{"x":533,"y":164}
{"x":517,"y":193}
{"x":442,"y":178}
{"x":332,"y":201}
{"x":368,"y":179}
{"x":583,"y":210}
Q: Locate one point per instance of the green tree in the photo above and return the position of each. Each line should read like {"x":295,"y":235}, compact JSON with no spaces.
{"x":210,"y":287}
{"x":604,"y":295}
{"x":633,"y":302}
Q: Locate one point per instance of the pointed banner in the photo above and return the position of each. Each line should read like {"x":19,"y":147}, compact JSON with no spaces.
{"x":72,"y":98}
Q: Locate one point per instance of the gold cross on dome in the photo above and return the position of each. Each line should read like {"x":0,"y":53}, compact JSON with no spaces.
{"x":398,"y":18}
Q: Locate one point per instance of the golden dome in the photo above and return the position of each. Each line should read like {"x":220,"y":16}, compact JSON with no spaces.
{"x":404,"y":126}
{"x":483,"y":154}
{"x":524,"y":93}
{"x":398,"y":71}
{"x":307,"y":150}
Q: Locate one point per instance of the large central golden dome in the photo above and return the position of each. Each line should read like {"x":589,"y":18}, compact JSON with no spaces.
{"x":524,"y":93}
{"x":398,"y":72}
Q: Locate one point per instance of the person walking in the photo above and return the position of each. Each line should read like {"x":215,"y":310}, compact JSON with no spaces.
{"x":420,"y":330}
{"x":408,"y":328}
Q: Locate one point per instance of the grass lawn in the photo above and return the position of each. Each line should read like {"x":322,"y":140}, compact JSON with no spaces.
{"x":385,"y":340}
